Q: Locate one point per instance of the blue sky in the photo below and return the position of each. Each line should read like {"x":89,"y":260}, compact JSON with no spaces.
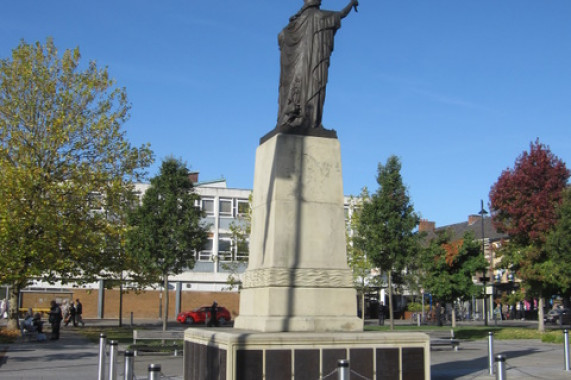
{"x":456,"y":88}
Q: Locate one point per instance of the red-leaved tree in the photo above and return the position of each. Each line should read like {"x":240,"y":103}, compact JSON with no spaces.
{"x":524,"y":202}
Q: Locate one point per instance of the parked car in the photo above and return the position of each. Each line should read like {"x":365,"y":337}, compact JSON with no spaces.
{"x":558,"y":316}
{"x":201,"y":315}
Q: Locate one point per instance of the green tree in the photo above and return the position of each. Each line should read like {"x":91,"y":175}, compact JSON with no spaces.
{"x":240,"y":230}
{"x":166,"y":228}
{"x":387,"y":223}
{"x":558,"y":247}
{"x":448,"y":267}
{"x":358,"y":261}
{"x":63,"y":158}
{"x":524,"y":202}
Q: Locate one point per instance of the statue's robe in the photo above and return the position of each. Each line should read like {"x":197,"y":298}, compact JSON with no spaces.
{"x":306,"y":44}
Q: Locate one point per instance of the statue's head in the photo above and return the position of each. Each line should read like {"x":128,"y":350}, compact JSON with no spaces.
{"x":312,"y":3}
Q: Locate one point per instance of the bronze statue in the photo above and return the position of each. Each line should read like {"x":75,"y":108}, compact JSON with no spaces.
{"x":306,"y":44}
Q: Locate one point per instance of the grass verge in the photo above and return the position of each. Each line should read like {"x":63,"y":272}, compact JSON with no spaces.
{"x":124,"y":335}
{"x":475,"y":333}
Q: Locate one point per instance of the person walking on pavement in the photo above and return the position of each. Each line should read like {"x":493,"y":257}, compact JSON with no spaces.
{"x":381,"y":314}
{"x":55,"y":318}
{"x":213,"y":321}
{"x":78,"y":312}
{"x":71,"y":315}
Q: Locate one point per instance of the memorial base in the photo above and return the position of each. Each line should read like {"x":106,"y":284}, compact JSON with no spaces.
{"x":230,"y":354}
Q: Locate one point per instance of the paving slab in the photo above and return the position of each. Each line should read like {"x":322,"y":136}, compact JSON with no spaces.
{"x":73,"y":357}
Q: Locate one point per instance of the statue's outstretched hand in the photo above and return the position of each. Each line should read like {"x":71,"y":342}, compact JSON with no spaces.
{"x":355,"y":5}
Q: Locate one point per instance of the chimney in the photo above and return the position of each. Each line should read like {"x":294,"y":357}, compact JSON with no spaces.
{"x":193,"y":176}
{"x":473,"y":219}
{"x":426,"y":226}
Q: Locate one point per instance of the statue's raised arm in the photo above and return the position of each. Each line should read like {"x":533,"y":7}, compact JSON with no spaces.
{"x":345,"y":11}
{"x":306,"y":44}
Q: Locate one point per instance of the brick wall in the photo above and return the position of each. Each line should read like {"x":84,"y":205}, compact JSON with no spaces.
{"x":143,"y":304}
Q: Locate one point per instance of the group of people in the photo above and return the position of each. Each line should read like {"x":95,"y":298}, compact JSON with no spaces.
{"x":68,"y":312}
{"x":72,"y":312}
{"x":33,"y":323}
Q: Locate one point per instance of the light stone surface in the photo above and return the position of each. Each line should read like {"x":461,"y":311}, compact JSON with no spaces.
{"x":232,"y":340}
{"x":298,"y":278}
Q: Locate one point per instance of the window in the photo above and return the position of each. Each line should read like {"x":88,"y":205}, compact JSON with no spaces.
{"x":242,"y":250}
{"x":243,"y":207}
{"x":207,"y":206}
{"x":206,"y":253}
{"x":225,"y":206}
{"x":225,"y":249}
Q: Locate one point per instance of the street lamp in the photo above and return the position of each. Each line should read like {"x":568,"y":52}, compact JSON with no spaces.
{"x":484,"y":278}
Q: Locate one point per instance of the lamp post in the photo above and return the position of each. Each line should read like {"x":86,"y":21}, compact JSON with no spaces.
{"x":484,"y":278}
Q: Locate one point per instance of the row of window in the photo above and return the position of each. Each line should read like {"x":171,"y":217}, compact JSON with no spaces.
{"x":227,"y":251}
{"x":227,"y":207}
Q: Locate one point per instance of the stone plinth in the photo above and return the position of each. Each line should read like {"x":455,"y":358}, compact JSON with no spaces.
{"x":298,"y":278}
{"x":228,"y":354}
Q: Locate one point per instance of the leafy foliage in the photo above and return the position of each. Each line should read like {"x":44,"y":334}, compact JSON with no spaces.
{"x":385,"y":232}
{"x":387,"y":221}
{"x":360,"y":264}
{"x":240,"y":231}
{"x":524,"y":204}
{"x":448,"y":267}
{"x":558,"y":247}
{"x":524,"y":198}
{"x":63,"y":158}
{"x":166,"y":229}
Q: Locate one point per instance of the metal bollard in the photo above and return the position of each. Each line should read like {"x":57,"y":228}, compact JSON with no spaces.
{"x":343,"y":369}
{"x":501,"y":370}
{"x":129,"y":364}
{"x":491,"y":353}
{"x":154,"y":371}
{"x":566,"y":349}
{"x":102,"y":354}
{"x":113,"y":360}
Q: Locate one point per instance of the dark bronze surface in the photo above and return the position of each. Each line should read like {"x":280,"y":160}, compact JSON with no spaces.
{"x":306,"y":44}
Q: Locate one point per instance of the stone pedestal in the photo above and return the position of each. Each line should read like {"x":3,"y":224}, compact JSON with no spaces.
{"x":229,"y":354}
{"x":298,"y":278}
{"x":298,"y":306}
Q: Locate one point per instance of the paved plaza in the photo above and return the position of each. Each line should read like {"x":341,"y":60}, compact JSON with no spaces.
{"x":74,"y":357}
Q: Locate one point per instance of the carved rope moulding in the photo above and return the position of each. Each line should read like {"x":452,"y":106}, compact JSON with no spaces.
{"x":300,"y":278}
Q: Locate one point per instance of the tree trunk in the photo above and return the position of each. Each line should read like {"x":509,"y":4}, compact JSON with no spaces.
{"x":363,"y":306}
{"x":540,"y":324}
{"x":121,"y":300}
{"x":12,"y":311}
{"x":391,"y":313}
{"x":453,"y":316}
{"x":165,"y":301}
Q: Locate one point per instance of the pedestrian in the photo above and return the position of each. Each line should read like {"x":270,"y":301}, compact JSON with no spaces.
{"x":65,"y":311}
{"x":381,"y":314}
{"x":78,"y":313}
{"x":55,"y":318}
{"x":213,"y":321}
{"x":438,"y":310}
{"x":71,"y":315}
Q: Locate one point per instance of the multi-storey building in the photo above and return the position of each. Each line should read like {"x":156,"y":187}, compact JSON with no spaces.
{"x":220,"y":257}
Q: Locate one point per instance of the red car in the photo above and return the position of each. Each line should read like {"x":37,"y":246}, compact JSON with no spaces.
{"x":200,"y":315}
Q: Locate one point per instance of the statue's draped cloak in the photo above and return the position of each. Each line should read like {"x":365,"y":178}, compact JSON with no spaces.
{"x":306,"y":44}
